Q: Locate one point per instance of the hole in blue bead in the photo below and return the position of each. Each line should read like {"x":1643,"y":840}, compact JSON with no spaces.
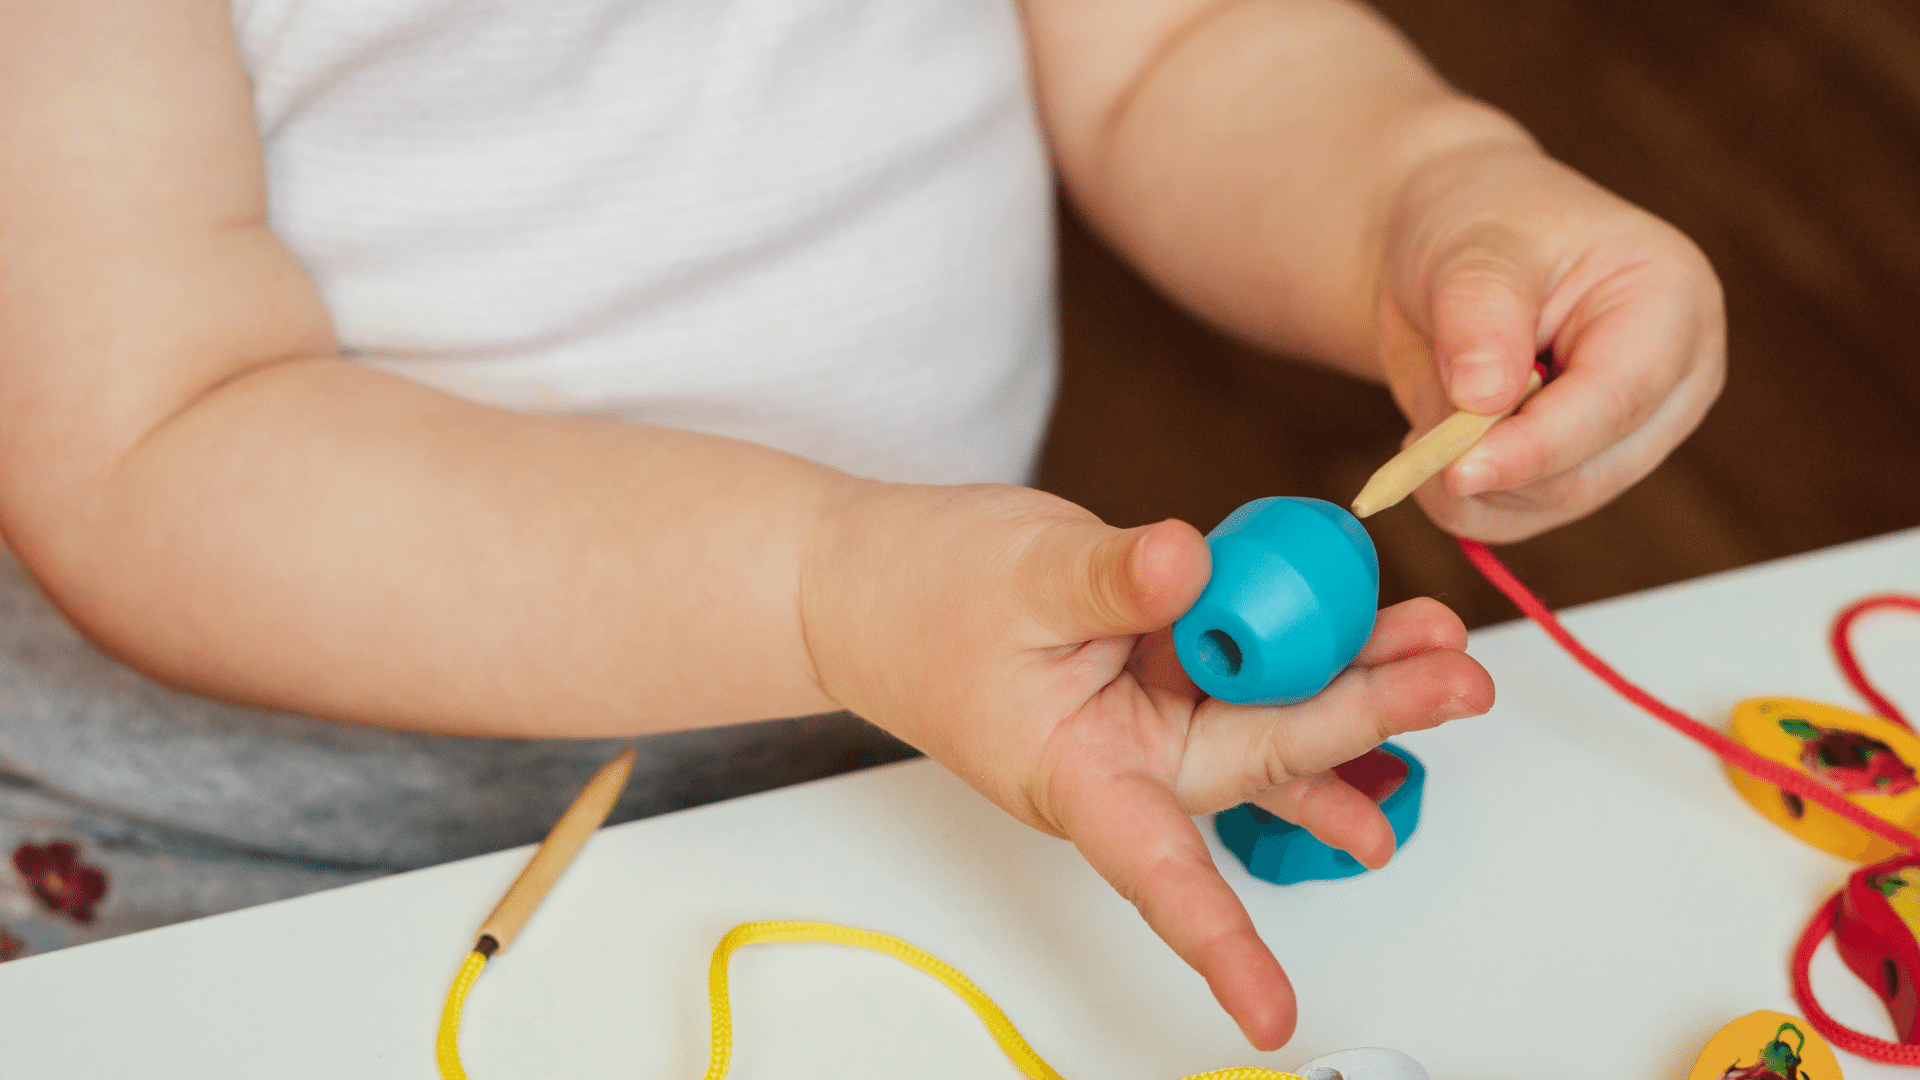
{"x":1341,"y":858}
{"x":1220,"y":653}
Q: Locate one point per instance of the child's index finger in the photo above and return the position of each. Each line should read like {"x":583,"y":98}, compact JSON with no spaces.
{"x":1626,"y":371}
{"x":1135,"y":833}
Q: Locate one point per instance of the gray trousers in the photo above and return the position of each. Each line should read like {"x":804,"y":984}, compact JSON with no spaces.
{"x":191,"y":807}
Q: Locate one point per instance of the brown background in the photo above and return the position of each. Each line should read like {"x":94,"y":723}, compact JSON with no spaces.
{"x":1782,"y":135}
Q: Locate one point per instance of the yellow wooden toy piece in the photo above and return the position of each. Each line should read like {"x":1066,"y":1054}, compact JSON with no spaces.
{"x":1767,"y":1046}
{"x":1867,"y":759}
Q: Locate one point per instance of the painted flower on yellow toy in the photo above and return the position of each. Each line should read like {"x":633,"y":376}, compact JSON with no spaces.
{"x":1777,"y":1061}
{"x":1849,"y":762}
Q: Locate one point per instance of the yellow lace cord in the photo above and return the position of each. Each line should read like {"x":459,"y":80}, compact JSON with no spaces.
{"x":446,"y":1046}
{"x":1011,"y":1043}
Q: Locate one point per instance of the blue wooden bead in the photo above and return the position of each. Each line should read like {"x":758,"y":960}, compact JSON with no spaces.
{"x":1294,"y":588}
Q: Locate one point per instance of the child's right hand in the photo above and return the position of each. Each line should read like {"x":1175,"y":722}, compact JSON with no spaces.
{"x":1023,"y":644}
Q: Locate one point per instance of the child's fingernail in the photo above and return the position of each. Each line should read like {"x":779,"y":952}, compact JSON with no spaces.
{"x":1476,"y":377}
{"x":1472,"y":475}
{"x":1454,"y":709}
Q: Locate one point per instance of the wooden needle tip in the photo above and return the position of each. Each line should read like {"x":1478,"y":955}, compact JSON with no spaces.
{"x":1423,"y":459}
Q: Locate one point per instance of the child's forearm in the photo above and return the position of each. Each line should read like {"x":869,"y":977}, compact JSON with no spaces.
{"x":1246,"y":153}
{"x":211,"y":494}
{"x":319,"y":537}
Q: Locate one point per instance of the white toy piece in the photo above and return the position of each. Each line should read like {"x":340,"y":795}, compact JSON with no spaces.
{"x":1367,"y":1064}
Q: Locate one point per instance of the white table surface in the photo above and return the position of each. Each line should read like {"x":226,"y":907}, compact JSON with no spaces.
{"x":1586,"y":897}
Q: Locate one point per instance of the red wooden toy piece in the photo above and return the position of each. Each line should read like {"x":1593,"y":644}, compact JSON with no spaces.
{"x":1877,"y":931}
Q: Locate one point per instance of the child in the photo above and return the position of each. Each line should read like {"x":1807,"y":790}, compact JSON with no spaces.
{"x":467,"y":367}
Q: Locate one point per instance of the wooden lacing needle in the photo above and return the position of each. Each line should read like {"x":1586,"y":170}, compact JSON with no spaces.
{"x":1430,"y":453}
{"x":590,"y":808}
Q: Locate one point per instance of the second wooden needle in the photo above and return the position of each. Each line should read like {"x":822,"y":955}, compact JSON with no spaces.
{"x":569,"y":835}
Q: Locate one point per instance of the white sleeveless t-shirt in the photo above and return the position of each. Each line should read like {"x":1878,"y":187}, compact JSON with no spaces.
{"x":820,"y":225}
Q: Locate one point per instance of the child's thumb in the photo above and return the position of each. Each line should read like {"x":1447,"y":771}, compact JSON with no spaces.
{"x":1485,"y":312}
{"x":1088,"y":581}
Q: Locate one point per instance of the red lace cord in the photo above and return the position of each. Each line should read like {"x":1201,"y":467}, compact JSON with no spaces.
{"x":1747,"y":761}
{"x":1843,"y":651}
{"x":1729,"y":751}
{"x":1836,"y":1033}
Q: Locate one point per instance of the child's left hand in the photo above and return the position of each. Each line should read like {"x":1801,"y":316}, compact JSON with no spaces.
{"x":1496,"y":252}
{"x":1023,"y":644}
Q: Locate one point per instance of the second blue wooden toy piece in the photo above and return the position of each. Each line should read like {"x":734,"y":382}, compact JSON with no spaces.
{"x":1286,"y":854}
